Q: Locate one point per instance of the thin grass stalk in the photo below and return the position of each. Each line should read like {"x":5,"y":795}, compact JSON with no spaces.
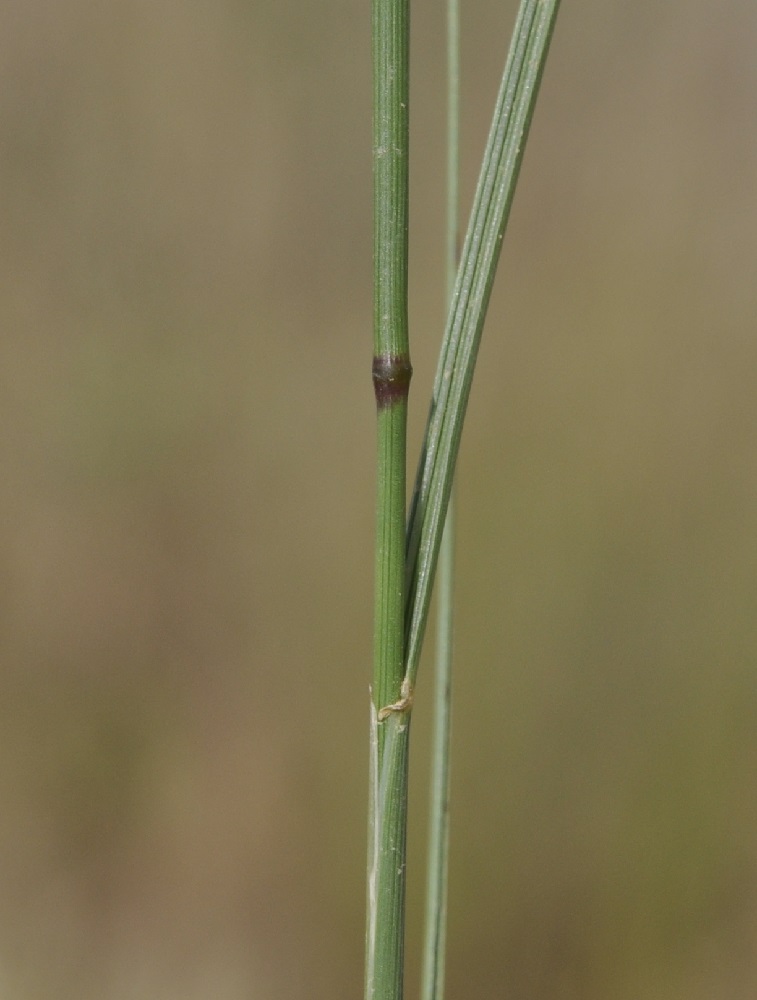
{"x":434,"y":951}
{"x":391,"y":378}
{"x":475,"y":277}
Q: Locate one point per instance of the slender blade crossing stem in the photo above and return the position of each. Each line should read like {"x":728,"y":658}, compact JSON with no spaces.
{"x":475,"y":277}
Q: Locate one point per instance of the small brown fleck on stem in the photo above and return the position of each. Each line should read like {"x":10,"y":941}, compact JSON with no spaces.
{"x":391,"y":378}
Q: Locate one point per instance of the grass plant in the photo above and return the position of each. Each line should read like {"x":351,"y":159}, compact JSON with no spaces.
{"x":406,"y":558}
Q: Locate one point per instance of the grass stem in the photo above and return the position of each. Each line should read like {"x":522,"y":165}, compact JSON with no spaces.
{"x":434,"y":950}
{"x":391,"y":379}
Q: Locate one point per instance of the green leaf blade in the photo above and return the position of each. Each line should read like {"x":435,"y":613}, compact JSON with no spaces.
{"x":496,"y":188}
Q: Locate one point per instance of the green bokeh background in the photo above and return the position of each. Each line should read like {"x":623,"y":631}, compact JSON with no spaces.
{"x":187,"y":505}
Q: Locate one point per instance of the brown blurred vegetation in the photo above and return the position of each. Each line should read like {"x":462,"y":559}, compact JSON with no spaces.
{"x":187,"y":506}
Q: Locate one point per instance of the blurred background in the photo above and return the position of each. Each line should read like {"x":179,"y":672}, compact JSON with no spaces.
{"x":187,"y":500}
